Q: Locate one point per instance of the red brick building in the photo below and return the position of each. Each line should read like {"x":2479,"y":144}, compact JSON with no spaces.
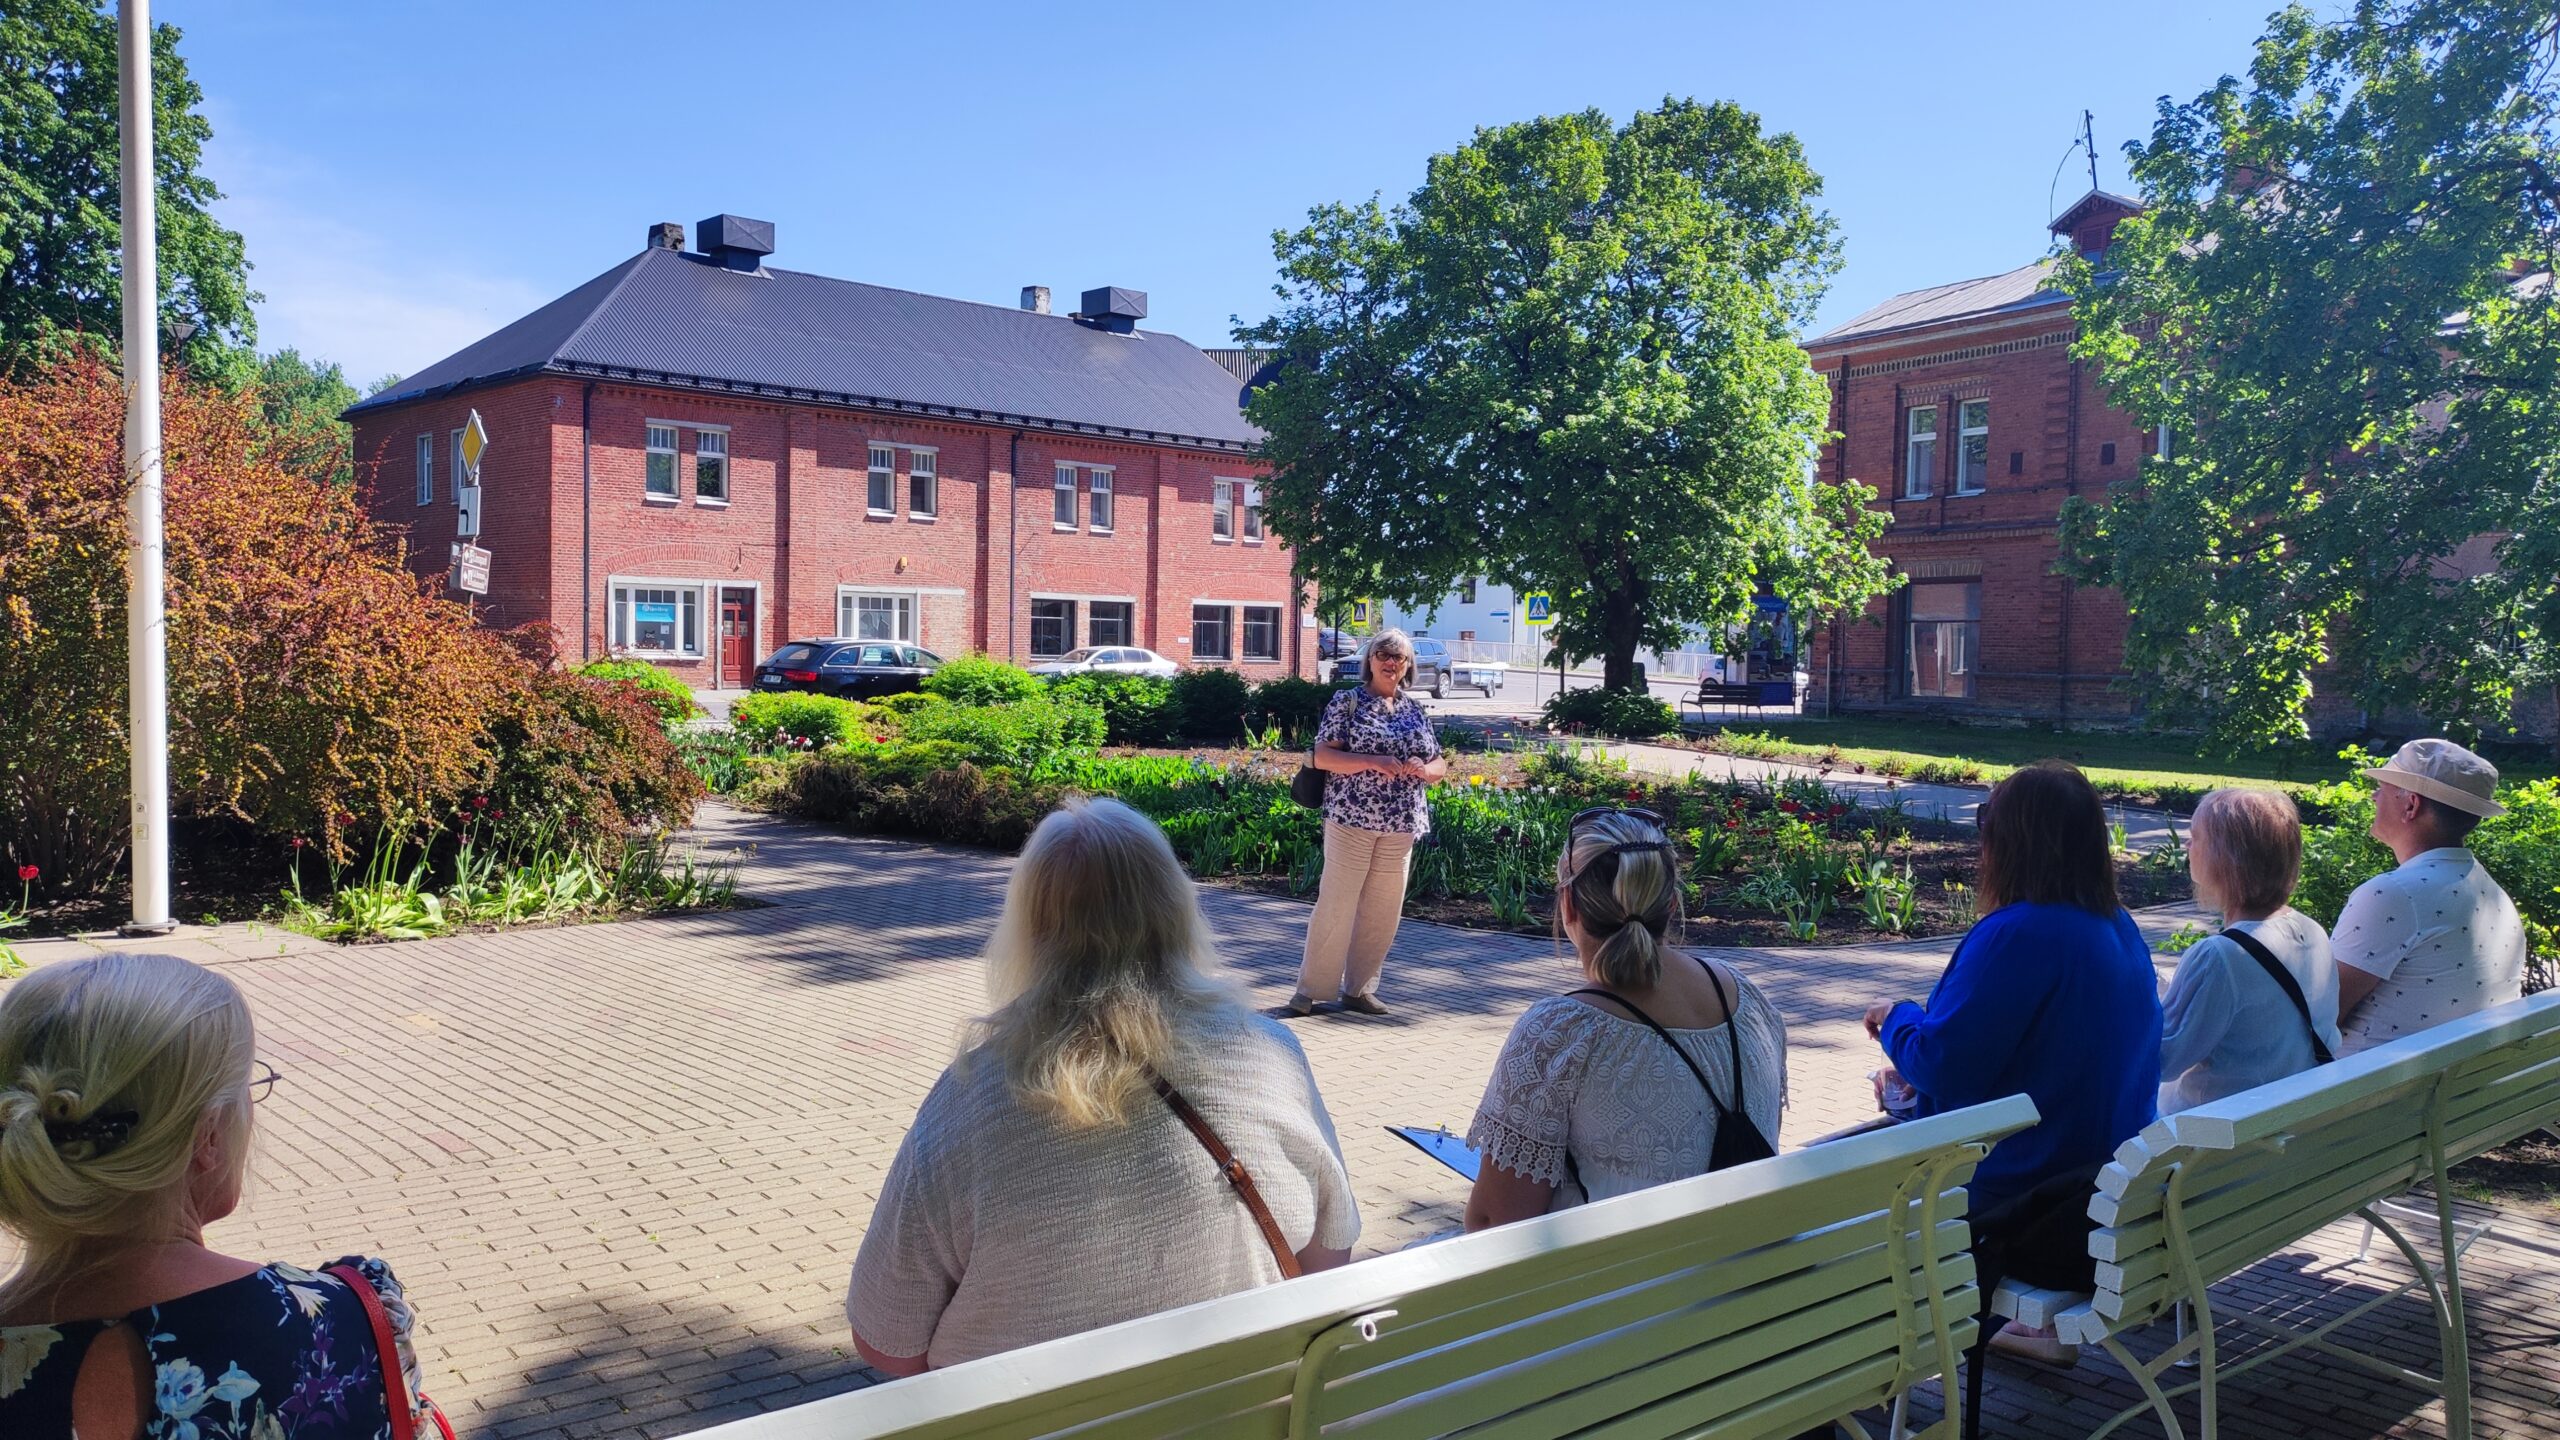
{"x":696,"y":456}
{"x":1962,"y":406}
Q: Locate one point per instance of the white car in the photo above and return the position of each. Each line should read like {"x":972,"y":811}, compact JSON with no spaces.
{"x":1107,"y":660}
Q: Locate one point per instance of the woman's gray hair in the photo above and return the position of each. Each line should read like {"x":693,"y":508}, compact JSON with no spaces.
{"x":1101,"y":966}
{"x":1391,"y":642}
{"x":2251,"y":853}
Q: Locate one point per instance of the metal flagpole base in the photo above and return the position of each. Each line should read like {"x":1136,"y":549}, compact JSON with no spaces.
{"x":147,"y":930}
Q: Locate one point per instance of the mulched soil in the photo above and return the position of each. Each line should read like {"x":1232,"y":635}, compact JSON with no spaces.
{"x":218,"y":873}
{"x":2524,"y":1173}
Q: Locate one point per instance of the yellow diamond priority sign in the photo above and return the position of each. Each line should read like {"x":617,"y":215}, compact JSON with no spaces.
{"x":475,"y":439}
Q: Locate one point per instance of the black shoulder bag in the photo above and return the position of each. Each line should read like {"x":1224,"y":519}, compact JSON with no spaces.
{"x":2284,"y":981}
{"x":1738,"y":1139}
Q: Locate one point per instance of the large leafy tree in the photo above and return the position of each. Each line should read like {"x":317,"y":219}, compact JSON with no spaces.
{"x":2339,"y":303}
{"x":1568,"y":361}
{"x":60,"y":211}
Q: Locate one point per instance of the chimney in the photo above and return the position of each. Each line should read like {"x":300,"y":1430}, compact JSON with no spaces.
{"x":666,"y":235}
{"x":1035,"y":298}
{"x":735,"y":242}
{"x":1113,"y":308}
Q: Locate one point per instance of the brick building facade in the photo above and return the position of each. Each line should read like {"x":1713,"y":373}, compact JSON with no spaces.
{"x":1962,"y":406}
{"x":695,"y":457}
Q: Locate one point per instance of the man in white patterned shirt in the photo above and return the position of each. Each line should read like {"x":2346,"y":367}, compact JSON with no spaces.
{"x":2437,"y":938}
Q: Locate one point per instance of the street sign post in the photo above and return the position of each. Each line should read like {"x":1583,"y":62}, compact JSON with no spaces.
{"x":470,"y":569}
{"x":466,"y":491}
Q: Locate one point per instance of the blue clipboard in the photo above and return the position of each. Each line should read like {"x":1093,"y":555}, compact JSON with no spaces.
{"x":1440,"y":1145}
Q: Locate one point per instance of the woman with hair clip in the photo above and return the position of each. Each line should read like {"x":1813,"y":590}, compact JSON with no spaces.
{"x":126,"y":1083}
{"x":1072,"y":1168}
{"x":1661,"y":1066}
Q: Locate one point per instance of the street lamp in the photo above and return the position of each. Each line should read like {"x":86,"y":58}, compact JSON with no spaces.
{"x":146,"y":611}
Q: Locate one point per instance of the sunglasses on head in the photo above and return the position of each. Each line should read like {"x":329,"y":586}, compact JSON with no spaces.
{"x":1574,"y":826}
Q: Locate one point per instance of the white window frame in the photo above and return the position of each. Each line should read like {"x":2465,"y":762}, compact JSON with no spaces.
{"x":1965,"y":433}
{"x":880,"y":497}
{"x":673,"y":450}
{"x":1099,"y":509}
{"x":1919,"y":479}
{"x":1250,"y":527}
{"x":1062,"y":486}
{"x":1226,"y":629}
{"x":1222,"y":518}
{"x":910,"y":605}
{"x":716,"y":436}
{"x":924,"y":478}
{"x":620,"y":625}
{"x":1243,"y":648}
{"x":427,"y":469}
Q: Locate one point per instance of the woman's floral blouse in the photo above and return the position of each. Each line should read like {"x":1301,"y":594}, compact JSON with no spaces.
{"x":279,"y":1354}
{"x":1361,"y":721}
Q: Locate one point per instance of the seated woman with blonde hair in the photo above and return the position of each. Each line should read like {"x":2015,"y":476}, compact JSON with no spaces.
{"x":2259,"y":1001}
{"x":1069,"y":1170}
{"x":126,"y":1083}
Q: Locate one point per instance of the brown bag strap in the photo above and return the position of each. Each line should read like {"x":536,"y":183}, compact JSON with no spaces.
{"x":1229,"y":1166}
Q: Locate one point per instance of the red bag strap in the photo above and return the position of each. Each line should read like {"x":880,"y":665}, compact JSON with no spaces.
{"x":395,"y":1387}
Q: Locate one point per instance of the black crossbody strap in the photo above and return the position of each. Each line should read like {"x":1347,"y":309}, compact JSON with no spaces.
{"x":2284,"y":980}
{"x":1638,"y":1011}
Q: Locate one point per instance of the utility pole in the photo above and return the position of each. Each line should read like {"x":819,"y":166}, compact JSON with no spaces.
{"x":146,"y":611}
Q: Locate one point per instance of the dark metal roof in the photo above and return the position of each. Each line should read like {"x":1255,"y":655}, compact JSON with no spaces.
{"x":664,"y":317}
{"x":2019,"y":289}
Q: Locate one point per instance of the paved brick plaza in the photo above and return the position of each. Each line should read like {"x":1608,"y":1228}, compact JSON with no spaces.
{"x":623,"y":1169}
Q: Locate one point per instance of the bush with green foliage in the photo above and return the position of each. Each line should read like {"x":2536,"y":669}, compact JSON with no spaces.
{"x":1025,"y":735}
{"x":669,"y":696}
{"x":586,"y":761}
{"x":1136,"y":709}
{"x":1211,"y":704}
{"x":793,"y":716}
{"x":1626,"y":714}
{"x":884,"y":793}
{"x":976,"y":679}
{"x":907,"y":702}
{"x":1294,"y":705}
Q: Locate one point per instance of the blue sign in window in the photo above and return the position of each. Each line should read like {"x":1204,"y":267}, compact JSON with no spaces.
{"x":648,"y":614}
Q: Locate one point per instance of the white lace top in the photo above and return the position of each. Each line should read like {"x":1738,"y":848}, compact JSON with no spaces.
{"x":1602,"y":1085}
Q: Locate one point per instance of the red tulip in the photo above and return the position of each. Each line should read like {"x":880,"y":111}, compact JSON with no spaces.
{"x":27,"y":874}
{"x":479,"y":802}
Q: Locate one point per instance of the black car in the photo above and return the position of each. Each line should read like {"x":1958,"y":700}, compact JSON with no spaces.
{"x":1430,"y":667}
{"x":853,"y":669}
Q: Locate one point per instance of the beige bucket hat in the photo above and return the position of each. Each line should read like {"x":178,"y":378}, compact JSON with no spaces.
{"x":2444,"y":771}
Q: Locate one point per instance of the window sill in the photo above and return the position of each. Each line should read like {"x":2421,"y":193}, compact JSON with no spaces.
{"x":1256,"y":543}
{"x":1969,"y":494}
{"x":1057,"y":529}
{"x":915,"y":519}
{"x":659,"y":500}
{"x":879,"y":514}
{"x":1913,"y":499}
{"x":1101,"y":530}
{"x":1221,"y":540}
{"x":627,"y":653}
{"x":711,"y":504}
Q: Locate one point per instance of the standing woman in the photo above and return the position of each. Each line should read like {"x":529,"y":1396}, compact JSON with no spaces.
{"x":126,"y":1083}
{"x":1379,"y":757}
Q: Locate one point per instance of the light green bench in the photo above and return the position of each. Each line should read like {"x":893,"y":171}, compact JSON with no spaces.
{"x":1759,"y":1301}
{"x":2207,"y":1192}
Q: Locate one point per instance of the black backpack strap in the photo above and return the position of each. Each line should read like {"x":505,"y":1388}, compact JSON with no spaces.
{"x":1656,"y":1027}
{"x":2284,"y":981}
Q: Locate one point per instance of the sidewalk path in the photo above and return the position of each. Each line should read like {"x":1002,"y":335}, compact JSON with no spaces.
{"x":623,"y":1168}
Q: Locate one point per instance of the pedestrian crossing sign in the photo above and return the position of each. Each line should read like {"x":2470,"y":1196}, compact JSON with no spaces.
{"x":1538,"y":608}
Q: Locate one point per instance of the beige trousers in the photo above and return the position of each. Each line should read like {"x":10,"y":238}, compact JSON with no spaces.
{"x":1359,"y":902}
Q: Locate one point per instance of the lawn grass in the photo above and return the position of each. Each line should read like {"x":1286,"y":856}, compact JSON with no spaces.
{"x":2135,"y":767}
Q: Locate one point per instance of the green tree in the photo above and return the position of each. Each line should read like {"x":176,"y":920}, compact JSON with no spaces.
{"x":60,"y":212}
{"x":2339,"y":303}
{"x":300,"y":403}
{"x":1568,"y":361}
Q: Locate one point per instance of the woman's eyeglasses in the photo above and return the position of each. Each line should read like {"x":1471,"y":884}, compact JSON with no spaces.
{"x":262,"y":1081}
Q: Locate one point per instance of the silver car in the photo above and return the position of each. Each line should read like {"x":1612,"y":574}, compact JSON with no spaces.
{"x":1107,"y":660}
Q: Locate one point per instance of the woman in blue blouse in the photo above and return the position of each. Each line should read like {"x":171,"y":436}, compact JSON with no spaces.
{"x":126,"y":1083}
{"x":1379,"y":757}
{"x":2050,"y":995}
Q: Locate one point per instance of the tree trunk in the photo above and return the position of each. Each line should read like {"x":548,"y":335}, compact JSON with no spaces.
{"x":1620,"y":628}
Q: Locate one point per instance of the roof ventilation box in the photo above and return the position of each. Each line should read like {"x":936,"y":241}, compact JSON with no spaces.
{"x":735,"y":241}
{"x":666,"y":235}
{"x":1113,"y":308}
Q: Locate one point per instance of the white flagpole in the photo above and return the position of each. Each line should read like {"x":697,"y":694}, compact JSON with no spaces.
{"x":146,"y":617}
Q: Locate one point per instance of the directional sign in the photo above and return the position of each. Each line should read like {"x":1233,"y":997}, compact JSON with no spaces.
{"x":1540,"y":607}
{"x":475,"y":439}
{"x":470,"y":569}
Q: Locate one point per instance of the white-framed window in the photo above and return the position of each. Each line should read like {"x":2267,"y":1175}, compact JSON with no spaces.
{"x":924,"y":487}
{"x":876,"y":615}
{"x":1222,"y":514}
{"x":1940,"y":637}
{"x":1062,"y":502}
{"x":1209,"y":633}
{"x":1100,"y":482}
{"x":426,"y":469}
{"x":1110,"y":622}
{"x":661,"y":481}
{"x":1261,"y":632}
{"x":883,"y":499}
{"x":1252,"y":512}
{"x":711,"y":467}
{"x":1053,"y":628}
{"x":654,"y":618}
{"x":1919,"y":451}
{"x":2164,"y":444}
{"x":1973,"y":446}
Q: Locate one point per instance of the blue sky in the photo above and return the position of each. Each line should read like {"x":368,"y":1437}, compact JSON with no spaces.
{"x":410,"y":177}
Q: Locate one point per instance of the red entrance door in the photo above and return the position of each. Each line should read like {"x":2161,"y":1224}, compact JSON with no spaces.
{"x":737,"y":637}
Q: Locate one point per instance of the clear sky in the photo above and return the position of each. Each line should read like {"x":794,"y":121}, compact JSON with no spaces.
{"x":412,"y":176}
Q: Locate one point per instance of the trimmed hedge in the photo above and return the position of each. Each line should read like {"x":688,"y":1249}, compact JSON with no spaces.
{"x":815,"y":720}
{"x":669,"y":696}
{"x":982,"y":680}
{"x":1136,"y":709}
{"x":1024,"y":734}
{"x":1211,"y":704}
{"x":1626,"y":714}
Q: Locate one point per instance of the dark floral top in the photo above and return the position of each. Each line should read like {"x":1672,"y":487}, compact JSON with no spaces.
{"x":280,"y":1354}
{"x":1361,"y":721}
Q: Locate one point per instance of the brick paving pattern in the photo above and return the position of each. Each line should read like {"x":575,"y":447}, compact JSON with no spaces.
{"x":623,"y":1168}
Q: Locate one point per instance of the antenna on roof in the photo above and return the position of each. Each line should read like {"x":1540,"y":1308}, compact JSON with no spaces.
{"x":2089,"y":142}
{"x":2086,"y":142}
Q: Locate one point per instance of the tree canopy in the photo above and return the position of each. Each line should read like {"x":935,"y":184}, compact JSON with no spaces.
{"x":1568,"y":361}
{"x":61,"y":216}
{"x":2339,"y":303}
